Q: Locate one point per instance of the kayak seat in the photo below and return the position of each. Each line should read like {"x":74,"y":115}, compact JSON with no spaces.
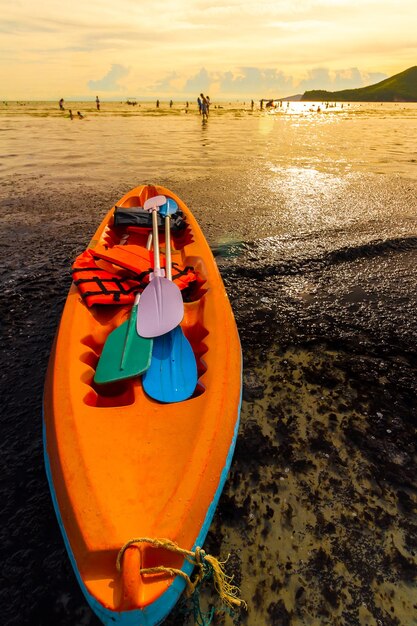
{"x":109,"y":395}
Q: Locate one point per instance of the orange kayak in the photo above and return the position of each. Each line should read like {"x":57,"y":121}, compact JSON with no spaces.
{"x":121,"y":465}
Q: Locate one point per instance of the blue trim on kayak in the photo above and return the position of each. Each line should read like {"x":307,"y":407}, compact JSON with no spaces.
{"x":156,"y":612}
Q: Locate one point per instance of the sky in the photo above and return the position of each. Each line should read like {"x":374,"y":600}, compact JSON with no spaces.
{"x":120,"y":49}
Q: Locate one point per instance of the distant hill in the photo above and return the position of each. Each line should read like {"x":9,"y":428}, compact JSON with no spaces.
{"x":399,"y":88}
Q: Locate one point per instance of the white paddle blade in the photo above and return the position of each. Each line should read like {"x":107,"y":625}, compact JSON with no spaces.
{"x":153,"y":203}
{"x":160,"y":308}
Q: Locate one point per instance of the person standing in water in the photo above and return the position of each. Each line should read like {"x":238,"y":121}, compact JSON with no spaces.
{"x":204,"y":106}
{"x":97,"y":103}
{"x":61,"y":104}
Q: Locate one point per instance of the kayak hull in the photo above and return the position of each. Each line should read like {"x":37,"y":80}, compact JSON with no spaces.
{"x":121,"y":465}
{"x":158,"y":611}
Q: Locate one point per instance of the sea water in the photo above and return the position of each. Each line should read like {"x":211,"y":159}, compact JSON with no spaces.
{"x":312,"y":218}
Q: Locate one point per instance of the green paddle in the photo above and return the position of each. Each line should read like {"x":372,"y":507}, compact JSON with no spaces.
{"x":125,"y":354}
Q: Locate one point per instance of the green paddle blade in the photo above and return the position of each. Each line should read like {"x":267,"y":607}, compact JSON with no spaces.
{"x":125,"y":354}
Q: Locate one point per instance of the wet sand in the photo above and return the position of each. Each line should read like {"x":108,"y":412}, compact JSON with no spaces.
{"x":322,"y":493}
{"x":319,"y":512}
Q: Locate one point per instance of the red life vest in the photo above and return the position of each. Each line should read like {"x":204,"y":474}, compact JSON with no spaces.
{"x":101,"y":286}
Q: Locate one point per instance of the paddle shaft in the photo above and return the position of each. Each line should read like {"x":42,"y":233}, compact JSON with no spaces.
{"x":157,"y":263}
{"x":168,"y":247}
{"x":169,"y":209}
{"x":129,"y":335}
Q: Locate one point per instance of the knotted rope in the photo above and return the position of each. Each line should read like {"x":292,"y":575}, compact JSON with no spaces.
{"x":206,"y":564}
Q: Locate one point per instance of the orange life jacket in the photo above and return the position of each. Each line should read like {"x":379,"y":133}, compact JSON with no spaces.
{"x":101,"y":286}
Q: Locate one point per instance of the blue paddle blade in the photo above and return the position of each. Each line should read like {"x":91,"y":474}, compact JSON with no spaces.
{"x":172,"y":374}
{"x":169,"y":208}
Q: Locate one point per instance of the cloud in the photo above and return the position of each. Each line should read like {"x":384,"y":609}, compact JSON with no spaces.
{"x":354,"y":78}
{"x":166,"y":85}
{"x":317,"y":78}
{"x":12,"y":27}
{"x":375,"y":77}
{"x":109,"y":82}
{"x":260,"y":82}
{"x":199,"y":83}
{"x":335,"y":80}
{"x":245,"y":81}
{"x":255,"y":80}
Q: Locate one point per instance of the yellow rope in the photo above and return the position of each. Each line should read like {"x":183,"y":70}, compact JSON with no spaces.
{"x":222,"y":583}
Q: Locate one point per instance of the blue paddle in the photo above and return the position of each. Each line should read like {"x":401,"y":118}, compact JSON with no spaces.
{"x":172,"y":374}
